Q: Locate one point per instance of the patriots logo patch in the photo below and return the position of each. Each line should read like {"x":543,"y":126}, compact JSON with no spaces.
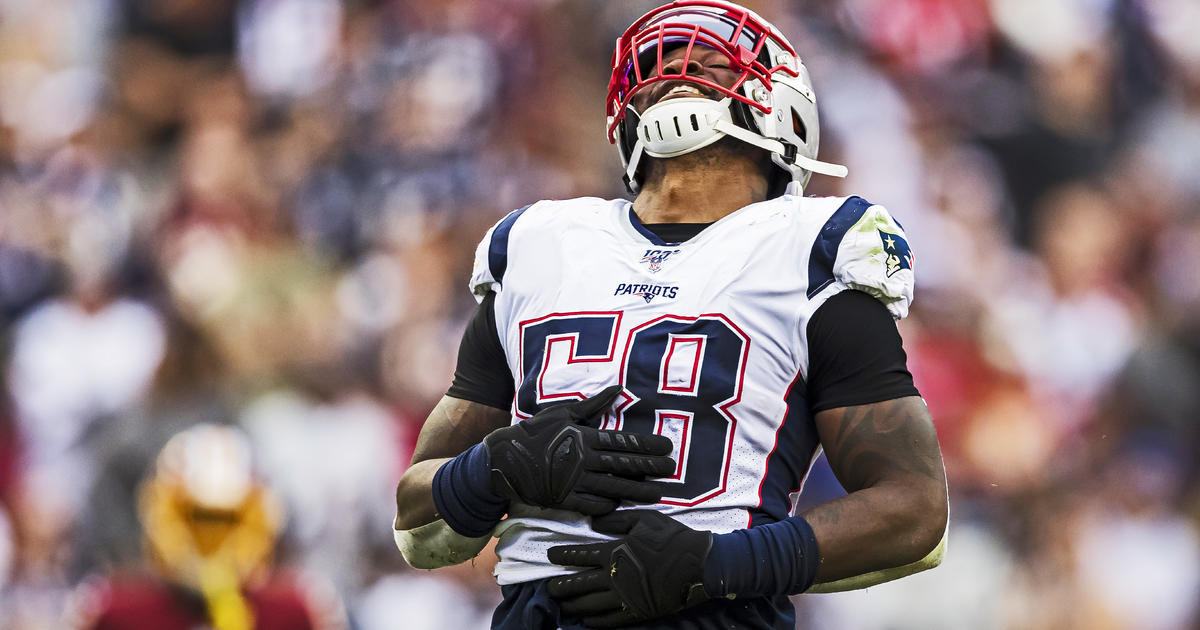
{"x":647,"y":291}
{"x":898,"y":255}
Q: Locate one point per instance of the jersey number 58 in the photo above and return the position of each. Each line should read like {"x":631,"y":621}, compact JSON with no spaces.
{"x":681,"y":375}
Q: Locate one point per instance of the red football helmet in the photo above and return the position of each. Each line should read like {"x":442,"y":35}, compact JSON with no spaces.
{"x":771,"y":104}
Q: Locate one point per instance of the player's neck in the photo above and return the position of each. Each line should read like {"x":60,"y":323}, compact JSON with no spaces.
{"x":696,"y":188}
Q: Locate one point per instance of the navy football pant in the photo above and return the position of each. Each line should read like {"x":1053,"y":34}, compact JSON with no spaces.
{"x":527,"y":606}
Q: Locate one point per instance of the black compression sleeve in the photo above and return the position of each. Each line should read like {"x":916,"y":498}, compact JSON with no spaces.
{"x":855,"y":356}
{"x":482,"y":374}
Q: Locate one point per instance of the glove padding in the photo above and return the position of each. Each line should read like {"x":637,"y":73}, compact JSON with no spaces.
{"x":654,"y":568}
{"x":553,"y":460}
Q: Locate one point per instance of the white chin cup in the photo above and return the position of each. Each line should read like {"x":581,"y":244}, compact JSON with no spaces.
{"x":681,"y":125}
{"x":677,"y":126}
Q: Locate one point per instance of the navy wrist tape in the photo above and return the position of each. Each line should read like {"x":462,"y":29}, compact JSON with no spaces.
{"x":775,"y":559}
{"x":463,"y":494}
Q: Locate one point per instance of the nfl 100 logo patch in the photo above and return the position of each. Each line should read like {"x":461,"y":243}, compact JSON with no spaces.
{"x":654,"y":258}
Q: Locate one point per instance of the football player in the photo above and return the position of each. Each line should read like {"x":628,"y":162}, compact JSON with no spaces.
{"x":645,"y":385}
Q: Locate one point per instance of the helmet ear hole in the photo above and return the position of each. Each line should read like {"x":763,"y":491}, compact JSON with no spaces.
{"x":798,"y":126}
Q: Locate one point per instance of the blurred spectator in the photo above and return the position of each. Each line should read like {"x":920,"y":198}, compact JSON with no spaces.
{"x":1135,"y":525}
{"x":78,"y":360}
{"x":1071,"y":328}
{"x":187,"y":390}
{"x":210,"y":528}
{"x":330,"y":452}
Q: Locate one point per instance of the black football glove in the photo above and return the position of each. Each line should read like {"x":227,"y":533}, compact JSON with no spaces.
{"x":654,"y":568}
{"x":553,"y":460}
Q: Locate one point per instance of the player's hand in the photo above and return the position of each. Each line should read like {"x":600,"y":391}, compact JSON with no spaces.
{"x":654,"y":568}
{"x":554,"y":460}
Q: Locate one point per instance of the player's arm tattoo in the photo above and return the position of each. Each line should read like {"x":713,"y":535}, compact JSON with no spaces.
{"x":887,"y":457}
{"x":868,"y":443}
{"x":453,"y":426}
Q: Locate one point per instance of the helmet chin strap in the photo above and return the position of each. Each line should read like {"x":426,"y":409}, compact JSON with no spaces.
{"x":635,"y":158}
{"x":777,"y":149}
{"x":666,"y":129}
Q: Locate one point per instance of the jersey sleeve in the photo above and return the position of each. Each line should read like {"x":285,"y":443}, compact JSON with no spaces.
{"x":482,"y":374}
{"x":491,"y":256}
{"x":856,"y":356}
{"x":862,"y":247}
{"x":482,"y":282}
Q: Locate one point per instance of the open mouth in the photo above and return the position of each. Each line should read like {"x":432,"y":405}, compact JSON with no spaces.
{"x":683,"y":90}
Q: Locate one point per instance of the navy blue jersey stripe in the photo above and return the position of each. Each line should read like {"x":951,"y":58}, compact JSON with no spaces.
{"x":498,"y":248}
{"x":825,"y":248}
{"x":795,"y":443}
{"x":644,"y":231}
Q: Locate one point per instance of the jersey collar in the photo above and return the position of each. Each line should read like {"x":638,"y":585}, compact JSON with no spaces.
{"x":644,"y":231}
{"x":632,"y":225}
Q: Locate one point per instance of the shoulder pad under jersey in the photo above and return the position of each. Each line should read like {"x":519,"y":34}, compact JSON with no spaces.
{"x":491,"y":256}
{"x":863,"y":247}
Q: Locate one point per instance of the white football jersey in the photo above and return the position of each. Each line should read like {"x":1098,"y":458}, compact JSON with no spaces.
{"x":707,"y":337}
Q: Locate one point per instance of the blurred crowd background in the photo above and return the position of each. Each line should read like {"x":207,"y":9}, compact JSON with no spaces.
{"x":262,"y":213}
